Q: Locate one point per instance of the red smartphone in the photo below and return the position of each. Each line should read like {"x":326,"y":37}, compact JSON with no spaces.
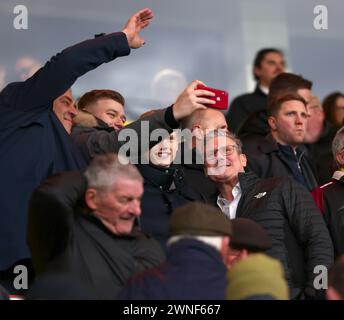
{"x":220,"y":98}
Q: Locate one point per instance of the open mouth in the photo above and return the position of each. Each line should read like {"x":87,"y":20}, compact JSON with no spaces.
{"x":164,"y":154}
{"x":128,"y":218}
{"x":117,"y":128}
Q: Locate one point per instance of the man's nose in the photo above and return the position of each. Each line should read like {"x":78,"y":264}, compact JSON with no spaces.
{"x":299,"y":119}
{"x":73,"y":110}
{"x":136,"y":208}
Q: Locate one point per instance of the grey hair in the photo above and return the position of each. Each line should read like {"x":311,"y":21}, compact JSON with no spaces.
{"x":224,"y":133}
{"x":105,"y":170}
{"x":338,"y":142}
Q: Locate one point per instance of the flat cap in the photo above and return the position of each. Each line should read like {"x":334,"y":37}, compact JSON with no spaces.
{"x":196,"y":218}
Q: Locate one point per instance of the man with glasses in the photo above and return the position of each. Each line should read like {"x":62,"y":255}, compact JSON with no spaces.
{"x":284,"y":208}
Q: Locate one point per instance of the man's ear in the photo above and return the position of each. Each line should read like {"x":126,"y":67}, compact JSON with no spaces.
{"x":256,"y":72}
{"x":243,"y":159}
{"x":340,"y":159}
{"x":225,"y":249}
{"x":272,"y":123}
{"x":243,"y":254}
{"x":91,"y":198}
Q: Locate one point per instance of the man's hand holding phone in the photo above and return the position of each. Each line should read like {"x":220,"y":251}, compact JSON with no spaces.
{"x":191,"y":100}
{"x":220,"y":97}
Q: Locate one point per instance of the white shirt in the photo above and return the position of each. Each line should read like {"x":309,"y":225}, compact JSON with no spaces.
{"x":337,"y":175}
{"x":229,"y":208}
{"x":264,"y":89}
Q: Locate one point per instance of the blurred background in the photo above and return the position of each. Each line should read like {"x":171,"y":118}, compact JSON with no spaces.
{"x":213,"y":41}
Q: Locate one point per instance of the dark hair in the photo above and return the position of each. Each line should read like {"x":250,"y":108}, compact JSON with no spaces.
{"x":329,"y":105}
{"x":260,"y":55}
{"x":93,"y":96}
{"x":275,"y":105}
{"x":287,"y":83}
{"x":336,"y":276}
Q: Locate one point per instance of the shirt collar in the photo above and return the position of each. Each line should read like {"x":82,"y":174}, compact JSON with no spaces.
{"x":264,"y":89}
{"x":221,"y":201}
{"x":337,"y":175}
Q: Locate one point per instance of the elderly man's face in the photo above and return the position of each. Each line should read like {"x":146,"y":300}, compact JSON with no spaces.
{"x":223,"y":162}
{"x":118,"y":207}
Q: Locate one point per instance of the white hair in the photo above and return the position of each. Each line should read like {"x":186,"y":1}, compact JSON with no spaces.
{"x":338,"y":142}
{"x":105,"y":170}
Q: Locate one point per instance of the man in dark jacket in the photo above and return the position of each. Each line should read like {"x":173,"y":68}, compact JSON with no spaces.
{"x":256,"y":125}
{"x":281,"y":152}
{"x":300,"y":239}
{"x":36,"y":120}
{"x":330,"y":197}
{"x":194,"y":268}
{"x":85,"y":229}
{"x":268,"y":63}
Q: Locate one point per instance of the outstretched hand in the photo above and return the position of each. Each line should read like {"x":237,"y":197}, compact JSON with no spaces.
{"x":135,"y":24}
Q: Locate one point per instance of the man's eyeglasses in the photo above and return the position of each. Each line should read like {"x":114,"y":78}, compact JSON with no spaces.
{"x":227,"y":151}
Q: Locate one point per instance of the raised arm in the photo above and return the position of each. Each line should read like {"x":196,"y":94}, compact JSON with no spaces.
{"x":51,"y":216}
{"x":60,"y":73}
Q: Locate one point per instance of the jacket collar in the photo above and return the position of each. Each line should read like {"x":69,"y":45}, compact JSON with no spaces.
{"x":270,"y":145}
{"x":259,"y":91}
{"x":161,"y":177}
{"x":247,"y":180}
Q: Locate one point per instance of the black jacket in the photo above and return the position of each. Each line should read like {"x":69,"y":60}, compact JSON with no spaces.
{"x":65,"y":240}
{"x":243,"y":106}
{"x":321,"y":153}
{"x":193,"y":172}
{"x":330,"y":200}
{"x":255,"y":125}
{"x":287,"y":212}
{"x":164,"y":191}
{"x":267,"y":160}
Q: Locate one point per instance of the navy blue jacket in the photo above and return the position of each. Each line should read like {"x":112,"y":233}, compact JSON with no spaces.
{"x":164,"y":191}
{"x":33,"y":142}
{"x":193,"y":271}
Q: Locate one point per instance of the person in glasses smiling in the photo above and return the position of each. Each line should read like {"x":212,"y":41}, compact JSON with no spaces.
{"x":283,"y":207}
